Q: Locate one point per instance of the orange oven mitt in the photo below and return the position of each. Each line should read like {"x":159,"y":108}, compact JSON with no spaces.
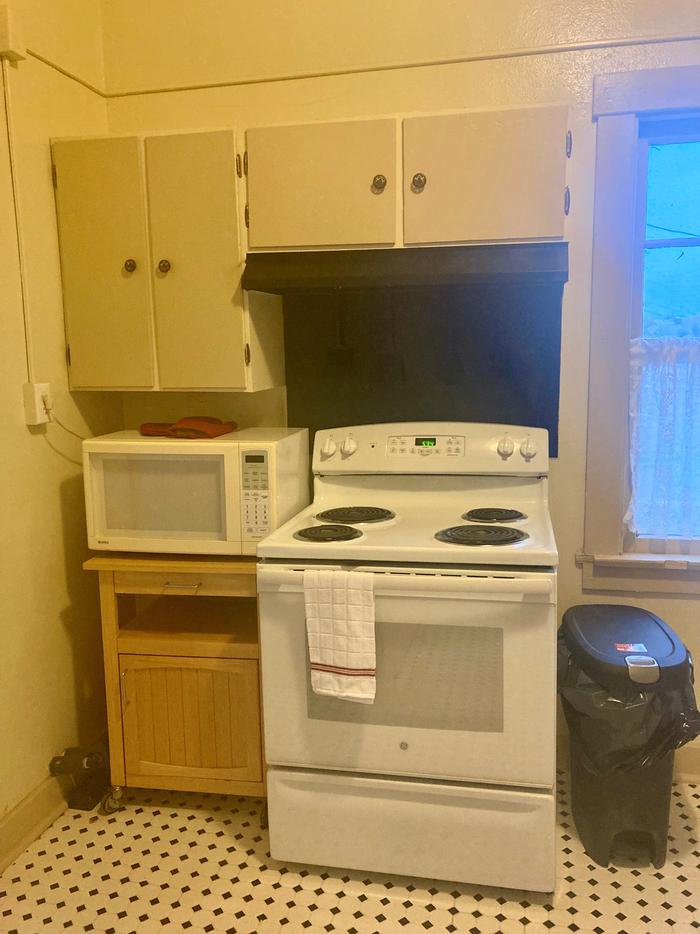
{"x":194,"y":426}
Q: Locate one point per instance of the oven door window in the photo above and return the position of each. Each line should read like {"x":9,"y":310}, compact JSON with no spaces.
{"x":429,"y":677}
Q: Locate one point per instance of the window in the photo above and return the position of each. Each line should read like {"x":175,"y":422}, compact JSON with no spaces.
{"x":642,"y":516}
{"x":671,"y":232}
{"x":664,"y":500}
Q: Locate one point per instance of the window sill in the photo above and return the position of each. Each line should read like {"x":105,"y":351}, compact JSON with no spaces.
{"x":641,"y":573}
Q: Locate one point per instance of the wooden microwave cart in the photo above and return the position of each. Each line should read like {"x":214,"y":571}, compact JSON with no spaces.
{"x":182,"y":677}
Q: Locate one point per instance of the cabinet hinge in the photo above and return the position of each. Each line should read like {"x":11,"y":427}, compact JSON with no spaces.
{"x":68,"y":354}
{"x":245,"y":162}
{"x":246,"y":215}
{"x":54,"y":175}
{"x":569,"y":144}
{"x":246,"y":354}
{"x":567,"y":200}
{"x":239,"y":170}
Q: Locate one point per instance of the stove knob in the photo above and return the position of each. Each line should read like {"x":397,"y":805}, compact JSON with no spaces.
{"x":329,"y":447}
{"x":349,"y":446}
{"x":505,"y":447}
{"x":528,"y":448}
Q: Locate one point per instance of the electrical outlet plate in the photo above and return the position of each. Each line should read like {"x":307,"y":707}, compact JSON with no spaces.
{"x":35,"y":411}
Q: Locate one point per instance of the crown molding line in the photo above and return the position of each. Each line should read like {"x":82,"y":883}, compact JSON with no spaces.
{"x":31,"y":53}
{"x":591,"y":45}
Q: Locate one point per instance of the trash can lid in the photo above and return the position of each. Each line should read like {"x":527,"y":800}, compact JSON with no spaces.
{"x":620,"y":645}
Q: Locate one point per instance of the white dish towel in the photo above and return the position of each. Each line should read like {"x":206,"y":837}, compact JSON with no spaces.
{"x":340,"y":633}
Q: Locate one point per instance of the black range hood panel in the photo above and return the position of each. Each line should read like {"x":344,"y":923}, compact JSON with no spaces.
{"x":311,"y":271}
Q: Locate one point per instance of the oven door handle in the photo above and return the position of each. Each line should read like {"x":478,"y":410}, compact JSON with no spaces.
{"x":443,"y":585}
{"x":458,"y":586}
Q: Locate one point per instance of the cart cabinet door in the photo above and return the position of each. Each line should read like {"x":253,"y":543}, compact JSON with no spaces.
{"x":101,"y":207}
{"x":326,"y":184}
{"x":495,"y":175}
{"x":196,"y":260}
{"x":190,"y":718}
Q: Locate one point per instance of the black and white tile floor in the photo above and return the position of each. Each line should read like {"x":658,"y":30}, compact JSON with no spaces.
{"x":186,"y":862}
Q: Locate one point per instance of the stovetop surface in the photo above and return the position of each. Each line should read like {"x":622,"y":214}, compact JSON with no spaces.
{"x":422,"y":507}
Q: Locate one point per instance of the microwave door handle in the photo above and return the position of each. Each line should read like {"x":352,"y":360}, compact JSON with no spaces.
{"x":174,"y":587}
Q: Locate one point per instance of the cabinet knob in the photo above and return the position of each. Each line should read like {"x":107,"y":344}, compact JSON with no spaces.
{"x":418,"y":183}
{"x":378,"y":184}
{"x":164,"y":266}
{"x":129,"y":265}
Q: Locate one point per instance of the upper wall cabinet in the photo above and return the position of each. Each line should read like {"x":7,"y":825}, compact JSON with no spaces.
{"x":325,"y":184}
{"x":101,"y":201}
{"x":151,"y":265}
{"x":491,"y":175}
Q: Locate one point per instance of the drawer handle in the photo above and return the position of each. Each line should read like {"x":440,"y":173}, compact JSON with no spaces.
{"x":171,"y":587}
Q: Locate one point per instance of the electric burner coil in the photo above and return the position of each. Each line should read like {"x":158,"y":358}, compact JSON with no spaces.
{"x":480,"y":535}
{"x":494,"y":514}
{"x":327,"y":533}
{"x":351,"y":514}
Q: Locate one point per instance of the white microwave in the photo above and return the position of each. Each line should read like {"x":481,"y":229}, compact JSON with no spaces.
{"x":211,"y":496}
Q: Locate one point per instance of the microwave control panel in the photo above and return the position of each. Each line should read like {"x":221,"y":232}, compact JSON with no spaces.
{"x":255,"y":483}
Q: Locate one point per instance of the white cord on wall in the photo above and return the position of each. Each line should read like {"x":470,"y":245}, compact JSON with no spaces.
{"x":48,"y":408}
{"x":28,"y":348}
{"x":18,"y":222}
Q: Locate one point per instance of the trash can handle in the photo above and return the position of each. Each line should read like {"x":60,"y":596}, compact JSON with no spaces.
{"x":642,"y":669}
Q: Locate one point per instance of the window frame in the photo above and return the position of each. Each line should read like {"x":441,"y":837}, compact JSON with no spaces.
{"x":625,"y":105}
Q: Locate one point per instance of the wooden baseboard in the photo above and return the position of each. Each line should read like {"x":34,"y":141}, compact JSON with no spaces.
{"x":686,"y":767}
{"x":30,"y":818}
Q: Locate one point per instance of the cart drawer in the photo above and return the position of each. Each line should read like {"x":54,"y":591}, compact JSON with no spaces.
{"x":204,"y":585}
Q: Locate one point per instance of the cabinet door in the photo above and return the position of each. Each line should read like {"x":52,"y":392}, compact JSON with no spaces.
{"x":194,"y":228}
{"x":101,"y":208}
{"x":190,"y":718}
{"x":313,"y":185}
{"x":496,"y":175}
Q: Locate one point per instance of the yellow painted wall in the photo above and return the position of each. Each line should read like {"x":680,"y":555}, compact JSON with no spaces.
{"x":50,"y":665}
{"x":67,"y":32}
{"x":164,"y":44}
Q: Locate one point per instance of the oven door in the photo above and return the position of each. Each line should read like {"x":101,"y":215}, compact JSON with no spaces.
{"x":466,"y":684}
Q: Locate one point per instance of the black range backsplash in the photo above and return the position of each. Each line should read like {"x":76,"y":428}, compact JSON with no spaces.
{"x":476,"y":353}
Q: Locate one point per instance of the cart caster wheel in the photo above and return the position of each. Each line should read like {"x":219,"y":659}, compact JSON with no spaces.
{"x":112,"y":801}
{"x":263,"y":816}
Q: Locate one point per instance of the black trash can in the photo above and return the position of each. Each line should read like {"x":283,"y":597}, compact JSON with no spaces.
{"x":626,"y":685}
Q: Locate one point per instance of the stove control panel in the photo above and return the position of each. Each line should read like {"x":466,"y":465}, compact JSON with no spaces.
{"x":421,"y":448}
{"x":411,"y":445}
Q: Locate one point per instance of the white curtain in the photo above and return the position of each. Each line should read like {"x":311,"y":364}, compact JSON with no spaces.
{"x":665,"y":439}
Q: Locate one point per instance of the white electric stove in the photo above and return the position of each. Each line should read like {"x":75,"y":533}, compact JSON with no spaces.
{"x":450,"y":772}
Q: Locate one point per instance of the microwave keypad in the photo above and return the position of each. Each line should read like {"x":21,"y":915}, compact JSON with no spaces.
{"x":256,"y":493}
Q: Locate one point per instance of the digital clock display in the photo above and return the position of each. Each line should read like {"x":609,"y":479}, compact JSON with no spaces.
{"x":426,"y":442}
